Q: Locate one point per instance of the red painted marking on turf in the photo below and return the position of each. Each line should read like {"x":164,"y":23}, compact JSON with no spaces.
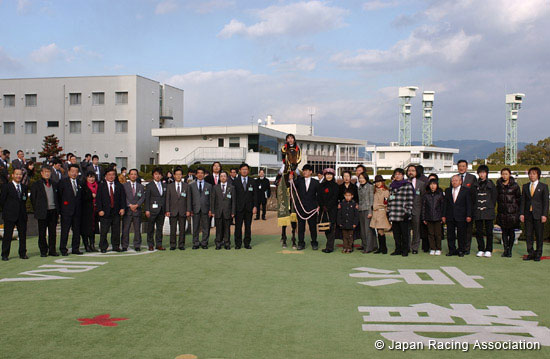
{"x":104,"y":320}
{"x":545,"y":257}
{"x":354,"y":246}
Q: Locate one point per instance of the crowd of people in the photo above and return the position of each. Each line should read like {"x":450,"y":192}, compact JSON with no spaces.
{"x":88,"y":199}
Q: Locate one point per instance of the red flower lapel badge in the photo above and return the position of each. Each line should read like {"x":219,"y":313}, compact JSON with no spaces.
{"x":104,"y":320}
{"x":66,"y":203}
{"x":326,"y":190}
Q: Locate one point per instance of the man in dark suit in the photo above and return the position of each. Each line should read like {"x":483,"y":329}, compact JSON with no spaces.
{"x":222,"y":205}
{"x":533,"y":212}
{"x":214,"y":177}
{"x":457,"y":214}
{"x":86,"y":163}
{"x":264,"y":192}
{"x":4,"y":166}
{"x":246,"y":200}
{"x":19,"y":162}
{"x":70,"y":201}
{"x":233,"y":173}
{"x":200,"y":209}
{"x":178,"y":204}
{"x":13,"y":200}
{"x":98,"y":170}
{"x":135,"y":196}
{"x":468,"y":180}
{"x":45,"y":202}
{"x":56,"y":171}
{"x":419,"y":190}
{"x":155,"y":204}
{"x":307,"y":190}
{"x":110,"y":205}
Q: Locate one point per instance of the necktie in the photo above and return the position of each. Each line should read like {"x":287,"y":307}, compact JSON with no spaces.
{"x":47,"y":183}
{"x":111,"y":194}
{"x":215,"y":179}
{"x":532,"y":193}
{"x":455,"y":194}
{"x":74,"y":187}
{"x":463,"y":175}
{"x":223,"y":188}
{"x":178,"y":188}
{"x":244,"y":183}
{"x":133,"y":189}
{"x":19,"y":190}
{"x":200,"y":186}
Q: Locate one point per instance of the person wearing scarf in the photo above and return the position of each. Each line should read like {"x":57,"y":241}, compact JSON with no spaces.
{"x":400,"y":205}
{"x":89,"y":223}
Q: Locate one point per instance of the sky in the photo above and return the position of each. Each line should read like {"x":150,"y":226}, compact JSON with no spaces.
{"x":239,"y":61}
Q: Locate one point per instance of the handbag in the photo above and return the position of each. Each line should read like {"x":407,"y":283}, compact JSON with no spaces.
{"x":323,"y":226}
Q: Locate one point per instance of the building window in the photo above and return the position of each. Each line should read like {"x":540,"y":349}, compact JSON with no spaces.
{"x":381,"y":155}
{"x":98,"y":126}
{"x":75,"y":99}
{"x":9,"y":100}
{"x":75,"y":126}
{"x":121,"y":126}
{"x":30,"y":127}
{"x":253,"y":143}
{"x":234,"y":142}
{"x":53,"y":123}
{"x":31,"y":100}
{"x":121,"y":98}
{"x":98,"y":98}
{"x":9,"y":128}
{"x":427,"y":155}
{"x":121,"y":162}
{"x":220,"y":142}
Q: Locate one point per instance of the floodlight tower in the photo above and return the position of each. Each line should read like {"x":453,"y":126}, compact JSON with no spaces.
{"x":513,"y":104}
{"x":405,"y":96}
{"x":427,"y":125}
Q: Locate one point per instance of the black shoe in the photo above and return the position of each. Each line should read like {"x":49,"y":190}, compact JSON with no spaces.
{"x":248,"y":247}
{"x":93,"y":248}
{"x":461,"y":254}
{"x":218,"y":248}
{"x":5,"y":258}
{"x":467,"y":253}
{"x":137,"y":249}
{"x":195,"y":247}
{"x":26,"y":257}
{"x":117,"y":249}
{"x":103,"y":251}
{"x":172,"y":248}
{"x":204,"y":247}
{"x":237,"y":247}
{"x":505,"y":254}
{"x":43,"y":255}
{"x":414,"y":252}
{"x":227,"y":247}
{"x":78,"y":253}
{"x":65,"y":254}
{"x":54,"y":254}
{"x":406,"y":254}
{"x":181,"y":248}
{"x":327,"y":250}
{"x":314,"y":246}
{"x":125,"y":249}
{"x":450,"y":254}
{"x":87,"y":248}
{"x":395,"y":253}
{"x":537,"y":259}
{"x":300,"y":248}
{"x":529,"y":257}
{"x":256,"y":218}
{"x":263,"y":218}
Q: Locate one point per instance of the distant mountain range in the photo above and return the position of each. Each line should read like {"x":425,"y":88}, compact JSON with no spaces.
{"x":469,"y":149}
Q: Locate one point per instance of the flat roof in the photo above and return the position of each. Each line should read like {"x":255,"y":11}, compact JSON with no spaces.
{"x":246,"y":129}
{"x":81,"y":77}
{"x":411,"y":149}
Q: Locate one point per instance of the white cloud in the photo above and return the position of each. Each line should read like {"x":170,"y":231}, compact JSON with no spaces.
{"x":7,"y":62}
{"x":166,"y":6}
{"x":46,"y":53}
{"x":23,"y":6}
{"x":211,"y":6}
{"x":426,"y":45}
{"x":292,"y":19}
{"x":379,"y":4}
{"x":296,"y":64}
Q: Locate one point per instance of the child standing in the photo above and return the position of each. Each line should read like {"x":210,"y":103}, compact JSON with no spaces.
{"x":433,"y":207}
{"x":348,"y":217}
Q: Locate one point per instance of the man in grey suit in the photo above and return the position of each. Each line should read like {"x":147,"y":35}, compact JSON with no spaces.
{"x":178,"y":202}
{"x":155,"y":204}
{"x":468,"y":180}
{"x":20,"y":161}
{"x":200,"y":209}
{"x":222,"y":206}
{"x":135,"y":196}
{"x":419,"y":190}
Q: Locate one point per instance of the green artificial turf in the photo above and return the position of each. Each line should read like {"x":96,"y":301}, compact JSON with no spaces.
{"x":255,"y":303}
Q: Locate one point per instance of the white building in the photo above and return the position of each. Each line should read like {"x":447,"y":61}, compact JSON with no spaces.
{"x":438,"y":159}
{"x":111,"y":116}
{"x":258,"y":145}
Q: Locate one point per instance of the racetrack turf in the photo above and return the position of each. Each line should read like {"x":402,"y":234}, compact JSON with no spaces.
{"x":257,"y":303}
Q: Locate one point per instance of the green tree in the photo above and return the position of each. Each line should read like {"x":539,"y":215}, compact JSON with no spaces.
{"x":496,"y":157}
{"x":538,"y":154}
{"x":50,"y":147}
